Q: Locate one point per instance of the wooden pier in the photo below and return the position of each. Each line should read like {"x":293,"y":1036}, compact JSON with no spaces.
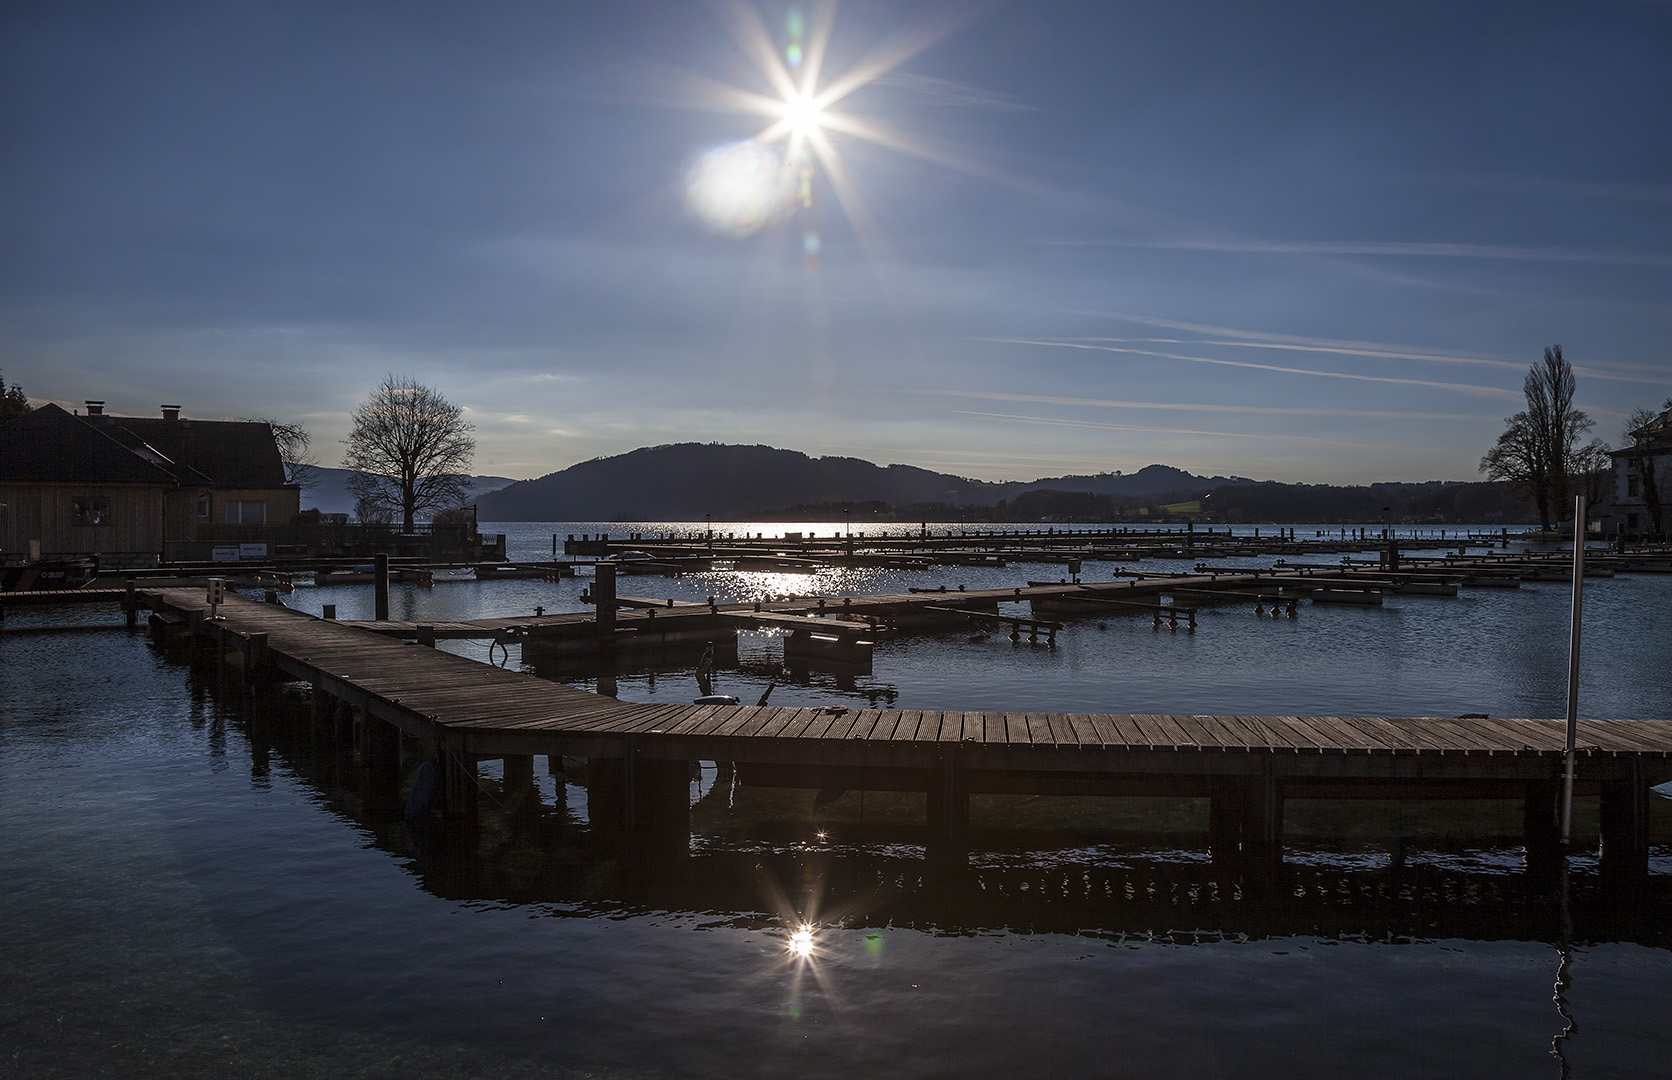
{"x":1246,"y":766}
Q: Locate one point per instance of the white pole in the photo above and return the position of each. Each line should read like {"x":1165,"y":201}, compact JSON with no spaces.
{"x":1573,"y":665}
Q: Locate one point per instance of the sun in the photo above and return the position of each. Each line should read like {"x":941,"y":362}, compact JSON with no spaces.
{"x":803,"y":113}
{"x":735,"y":188}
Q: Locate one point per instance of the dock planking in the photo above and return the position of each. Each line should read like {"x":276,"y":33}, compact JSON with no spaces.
{"x":480,"y":711}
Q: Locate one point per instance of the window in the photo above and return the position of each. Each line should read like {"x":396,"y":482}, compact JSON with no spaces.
{"x":90,"y":510}
{"x":245,"y":513}
{"x":1631,"y":487}
{"x":203,"y":507}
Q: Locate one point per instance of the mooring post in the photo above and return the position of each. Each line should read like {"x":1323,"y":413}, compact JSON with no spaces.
{"x":330,"y":611}
{"x":426,"y":635}
{"x":130,"y":604}
{"x":381,"y":575}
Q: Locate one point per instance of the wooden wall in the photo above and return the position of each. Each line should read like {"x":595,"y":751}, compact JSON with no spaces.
{"x":46,"y":512}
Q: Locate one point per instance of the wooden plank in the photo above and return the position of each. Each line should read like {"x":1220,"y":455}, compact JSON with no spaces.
{"x":1086,"y":733}
{"x":883,"y":729}
{"x":906,"y":729}
{"x":1062,"y":730}
{"x":929,"y":725}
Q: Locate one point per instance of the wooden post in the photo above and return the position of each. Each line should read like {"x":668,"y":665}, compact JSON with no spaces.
{"x":381,"y":599}
{"x":130,"y":604}
{"x":1625,"y":825}
{"x":426,"y":635}
{"x":519,"y":779}
{"x":661,"y":803}
{"x":606,"y":791}
{"x":381,"y":752}
{"x":330,"y":611}
{"x":947,"y":812}
{"x":461,"y":800}
{"x":258,"y":661}
{"x":1542,"y":827}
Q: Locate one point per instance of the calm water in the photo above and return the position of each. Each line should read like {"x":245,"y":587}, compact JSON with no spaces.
{"x":190,"y":891}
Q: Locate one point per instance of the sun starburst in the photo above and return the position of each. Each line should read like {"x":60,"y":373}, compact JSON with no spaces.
{"x":742,"y":187}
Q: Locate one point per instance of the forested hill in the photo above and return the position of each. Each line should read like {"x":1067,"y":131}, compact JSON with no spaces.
{"x":688,"y":481}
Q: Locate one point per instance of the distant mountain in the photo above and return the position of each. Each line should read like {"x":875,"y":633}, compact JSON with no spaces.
{"x":687,"y":481}
{"x":331,"y":494}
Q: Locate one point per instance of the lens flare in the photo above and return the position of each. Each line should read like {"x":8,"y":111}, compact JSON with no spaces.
{"x":740,"y":188}
{"x":801,"y":942}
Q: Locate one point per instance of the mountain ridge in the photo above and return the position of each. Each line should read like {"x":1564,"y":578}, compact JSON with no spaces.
{"x":688,"y":481}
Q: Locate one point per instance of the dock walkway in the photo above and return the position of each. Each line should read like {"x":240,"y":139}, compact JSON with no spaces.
{"x":1246,"y":765}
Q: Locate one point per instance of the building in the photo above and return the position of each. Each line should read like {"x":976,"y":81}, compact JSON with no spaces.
{"x":136,"y":490}
{"x":1641,"y":500}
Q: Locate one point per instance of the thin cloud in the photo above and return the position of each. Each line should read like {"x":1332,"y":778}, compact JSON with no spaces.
{"x":1264,"y":410}
{"x":1254,"y":339}
{"x":1052,"y":422}
{"x":930,"y":90}
{"x":1525,"y":253}
{"x":1465,"y":388}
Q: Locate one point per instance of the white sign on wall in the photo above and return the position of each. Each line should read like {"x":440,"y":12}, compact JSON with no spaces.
{"x":224,"y":553}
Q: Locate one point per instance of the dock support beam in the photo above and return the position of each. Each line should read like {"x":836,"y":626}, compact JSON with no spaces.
{"x":649,"y":798}
{"x":947,"y":813}
{"x":380,"y":749}
{"x":1245,"y":824}
{"x":1541,"y":810}
{"x":1625,"y":826}
{"x":461,"y":799}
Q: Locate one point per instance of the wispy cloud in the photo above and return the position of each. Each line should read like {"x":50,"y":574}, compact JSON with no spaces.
{"x":935,"y":91}
{"x":1464,"y":388}
{"x":1255,"y":339}
{"x":1054,"y":422}
{"x":1258,"y":410}
{"x":1526,"y":253}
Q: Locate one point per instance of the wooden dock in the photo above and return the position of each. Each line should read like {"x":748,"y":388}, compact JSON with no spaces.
{"x":1247,"y":766}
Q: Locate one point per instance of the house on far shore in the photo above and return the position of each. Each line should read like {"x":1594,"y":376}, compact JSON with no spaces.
{"x":1641,"y":499}
{"x":136,"y":490}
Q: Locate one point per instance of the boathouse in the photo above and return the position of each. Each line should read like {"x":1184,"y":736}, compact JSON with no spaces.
{"x":134,"y":490}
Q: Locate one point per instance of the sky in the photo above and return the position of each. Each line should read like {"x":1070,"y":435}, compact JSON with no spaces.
{"x":1310,"y":242}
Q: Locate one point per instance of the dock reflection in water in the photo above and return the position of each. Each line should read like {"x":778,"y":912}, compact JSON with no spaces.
{"x":195,"y":890}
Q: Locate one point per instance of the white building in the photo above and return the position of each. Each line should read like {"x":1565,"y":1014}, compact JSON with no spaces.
{"x":1642,"y":494}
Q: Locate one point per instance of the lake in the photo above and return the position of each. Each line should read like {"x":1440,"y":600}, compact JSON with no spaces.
{"x":194,"y":891}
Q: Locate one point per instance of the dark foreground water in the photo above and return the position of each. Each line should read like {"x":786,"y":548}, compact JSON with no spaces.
{"x":187,"y":890}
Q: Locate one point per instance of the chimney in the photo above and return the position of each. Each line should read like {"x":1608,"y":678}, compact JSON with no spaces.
{"x":95,"y":408}
{"x":171,"y":412}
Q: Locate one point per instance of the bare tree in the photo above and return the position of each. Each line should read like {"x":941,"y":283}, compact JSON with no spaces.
{"x":409,"y":450}
{"x":301,"y":462}
{"x":1593,"y":468}
{"x":1538,"y":451}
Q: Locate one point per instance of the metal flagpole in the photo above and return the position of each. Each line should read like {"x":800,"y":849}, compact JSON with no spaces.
{"x":1573,"y":666}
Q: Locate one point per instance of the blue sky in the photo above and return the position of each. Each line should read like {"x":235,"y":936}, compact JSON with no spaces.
{"x":1315,"y":242}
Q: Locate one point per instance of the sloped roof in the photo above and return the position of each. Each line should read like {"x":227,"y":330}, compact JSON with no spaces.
{"x":48,"y":445}
{"x":1657,"y":432}
{"x":227,"y":453}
